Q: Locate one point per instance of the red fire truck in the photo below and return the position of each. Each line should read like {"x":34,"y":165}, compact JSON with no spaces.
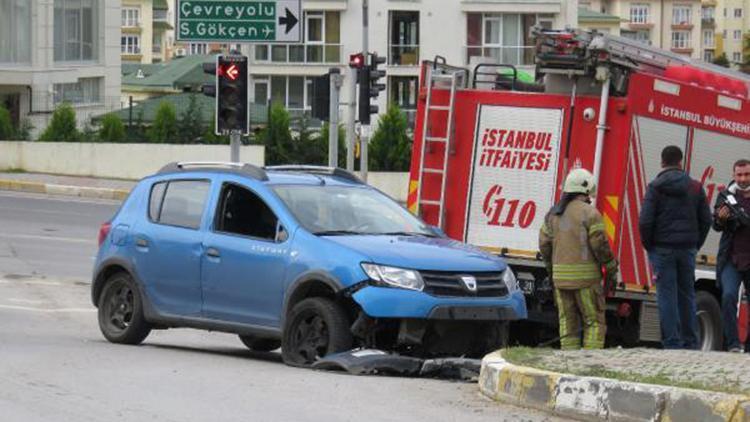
{"x":491,"y":152}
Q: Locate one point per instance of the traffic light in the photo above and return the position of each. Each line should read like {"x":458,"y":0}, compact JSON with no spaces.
{"x":357,"y":61}
{"x":369,"y":87}
{"x":321,"y":97}
{"x":232,"y":111}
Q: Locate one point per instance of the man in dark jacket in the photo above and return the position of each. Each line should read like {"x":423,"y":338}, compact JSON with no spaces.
{"x":733,"y":261}
{"x":674,"y":222}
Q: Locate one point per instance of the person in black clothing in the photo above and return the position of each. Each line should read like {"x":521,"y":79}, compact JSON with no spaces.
{"x":674,"y":223}
{"x":733,"y":261}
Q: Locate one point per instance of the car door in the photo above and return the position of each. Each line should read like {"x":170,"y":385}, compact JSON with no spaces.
{"x":245,"y":260}
{"x":168,"y":245}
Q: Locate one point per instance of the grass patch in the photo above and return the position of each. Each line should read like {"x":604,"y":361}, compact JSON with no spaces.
{"x":525,"y":356}
{"x":13,"y":170}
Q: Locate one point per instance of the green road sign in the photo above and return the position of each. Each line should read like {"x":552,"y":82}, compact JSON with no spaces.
{"x":236,"y":21}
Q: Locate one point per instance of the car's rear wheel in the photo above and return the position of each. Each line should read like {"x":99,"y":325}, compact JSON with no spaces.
{"x":120,"y":311}
{"x":260,"y":344}
{"x":708,"y":314}
{"x":314,"y":328}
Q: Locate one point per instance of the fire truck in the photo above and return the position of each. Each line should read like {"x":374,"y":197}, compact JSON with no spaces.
{"x":490,"y":154}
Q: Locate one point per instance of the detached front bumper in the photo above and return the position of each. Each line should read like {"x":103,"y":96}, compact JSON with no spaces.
{"x":384,"y":302}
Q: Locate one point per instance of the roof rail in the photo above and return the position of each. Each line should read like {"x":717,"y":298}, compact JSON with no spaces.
{"x":318,"y":170}
{"x":248,"y":169}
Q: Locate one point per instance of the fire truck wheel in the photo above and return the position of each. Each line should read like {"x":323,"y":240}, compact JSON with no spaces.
{"x":709,"y":321}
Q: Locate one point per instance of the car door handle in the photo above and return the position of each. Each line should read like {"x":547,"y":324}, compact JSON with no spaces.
{"x":213,"y":252}
{"x":141,"y":243}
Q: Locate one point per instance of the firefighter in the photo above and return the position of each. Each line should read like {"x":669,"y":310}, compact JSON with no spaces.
{"x":575,"y":247}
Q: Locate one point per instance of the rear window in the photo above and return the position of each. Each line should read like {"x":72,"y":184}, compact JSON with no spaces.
{"x":179,"y":203}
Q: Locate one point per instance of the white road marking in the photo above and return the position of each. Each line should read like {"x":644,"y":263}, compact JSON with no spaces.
{"x":48,"y":311}
{"x":41,"y":237}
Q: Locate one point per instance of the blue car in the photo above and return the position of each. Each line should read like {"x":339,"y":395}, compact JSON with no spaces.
{"x":310,"y":259}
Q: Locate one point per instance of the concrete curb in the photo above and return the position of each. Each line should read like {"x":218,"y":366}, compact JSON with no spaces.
{"x":591,"y":398}
{"x":53,"y":189}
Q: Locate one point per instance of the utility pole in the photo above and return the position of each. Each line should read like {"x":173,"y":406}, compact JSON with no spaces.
{"x":365,"y":135}
{"x":350,"y":120}
{"x":333,"y":124}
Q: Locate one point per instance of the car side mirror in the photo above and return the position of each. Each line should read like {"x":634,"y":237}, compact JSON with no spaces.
{"x":438,"y":231}
{"x":281,"y":234}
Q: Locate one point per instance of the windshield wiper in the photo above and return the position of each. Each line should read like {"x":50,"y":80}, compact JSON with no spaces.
{"x":404,"y":234}
{"x":336,"y":233}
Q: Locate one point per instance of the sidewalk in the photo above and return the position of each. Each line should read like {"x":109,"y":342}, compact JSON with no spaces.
{"x":622,"y":384}
{"x":87,"y":187}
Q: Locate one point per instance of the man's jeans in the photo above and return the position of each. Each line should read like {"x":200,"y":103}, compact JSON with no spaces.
{"x":674,"y":270}
{"x":730,"y":290}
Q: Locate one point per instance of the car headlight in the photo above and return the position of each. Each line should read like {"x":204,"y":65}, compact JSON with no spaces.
{"x":510,"y":280}
{"x":397,"y":277}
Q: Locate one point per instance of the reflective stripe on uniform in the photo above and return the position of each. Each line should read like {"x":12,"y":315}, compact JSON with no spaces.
{"x":596,"y":227}
{"x":584,"y":271}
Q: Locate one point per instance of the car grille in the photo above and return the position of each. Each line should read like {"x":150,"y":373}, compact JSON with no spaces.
{"x":438,"y":283}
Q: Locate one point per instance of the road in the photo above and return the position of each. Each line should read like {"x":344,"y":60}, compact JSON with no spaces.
{"x":55,"y":365}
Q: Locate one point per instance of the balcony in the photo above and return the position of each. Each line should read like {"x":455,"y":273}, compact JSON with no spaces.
{"x":515,"y":55}
{"x":708,"y":23}
{"x":685,"y":50}
{"x":404,"y":55}
{"x":682,"y":26}
{"x":297,"y":53}
{"x":640,"y":25}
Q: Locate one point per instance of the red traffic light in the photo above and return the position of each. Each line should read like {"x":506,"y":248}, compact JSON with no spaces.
{"x":232,"y":72}
{"x":357,"y":61}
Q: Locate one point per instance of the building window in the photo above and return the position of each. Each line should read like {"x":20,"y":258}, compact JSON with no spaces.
{"x":737,"y":13}
{"x":737,"y":57}
{"x":85,"y":91}
{"x":505,"y":38}
{"x":403,"y":91}
{"x":404,"y":39}
{"x":639,"y":13}
{"x":725,"y":12}
{"x":130,"y":44}
{"x":708,"y":38}
{"x":197,"y":48}
{"x":322,"y":42}
{"x":681,"y":39}
{"x":724,"y":34}
{"x":681,"y":15}
{"x":641,"y":35}
{"x":708,"y":56}
{"x":15,"y":31}
{"x":292,"y":92}
{"x":708,"y":13}
{"x":737,"y":34}
{"x":76,"y":30}
{"x":131,"y":17}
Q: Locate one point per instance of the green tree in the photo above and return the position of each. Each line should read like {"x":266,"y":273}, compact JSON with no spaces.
{"x":210,"y":137}
{"x":164,"y":128}
{"x":390,"y":146}
{"x":6,"y":125}
{"x":89,"y":134}
{"x":62,"y":127}
{"x":191,"y":122}
{"x":112,"y":129}
{"x":280,"y":147}
{"x":722,"y":60}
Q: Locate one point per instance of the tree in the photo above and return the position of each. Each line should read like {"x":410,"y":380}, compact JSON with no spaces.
{"x":62,"y":127}
{"x":88,"y":133}
{"x":164,"y":128}
{"x":722,"y":60}
{"x":112,"y":129}
{"x":390,"y":147}
{"x":277,"y":138}
{"x":210,"y":137}
{"x":6,"y":125}
{"x":191,"y":122}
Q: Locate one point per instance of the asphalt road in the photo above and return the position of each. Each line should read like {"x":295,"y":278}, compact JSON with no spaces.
{"x":55,"y":365}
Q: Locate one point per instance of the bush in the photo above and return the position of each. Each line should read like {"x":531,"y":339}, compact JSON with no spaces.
{"x":23,"y":132}
{"x":62,"y":127}
{"x":191,"y":124}
{"x":390,"y":146}
{"x":6,"y":125}
{"x":280,"y":147}
{"x":722,"y":60}
{"x":164,"y":128}
{"x":112,"y":129}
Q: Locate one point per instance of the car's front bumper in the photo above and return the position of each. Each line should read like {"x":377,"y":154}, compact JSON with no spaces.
{"x":384,"y":302}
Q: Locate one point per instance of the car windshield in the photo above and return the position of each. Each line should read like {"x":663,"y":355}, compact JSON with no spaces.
{"x":337,"y":210}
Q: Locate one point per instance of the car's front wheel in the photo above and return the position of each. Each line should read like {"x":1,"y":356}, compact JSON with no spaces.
{"x":314,"y":328}
{"x":121,"y":311}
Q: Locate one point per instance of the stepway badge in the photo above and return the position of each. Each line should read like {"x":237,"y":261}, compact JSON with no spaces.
{"x":236,"y":21}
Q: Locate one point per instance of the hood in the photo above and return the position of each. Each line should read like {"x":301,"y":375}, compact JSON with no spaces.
{"x":421,"y":253}
{"x":672,"y":182}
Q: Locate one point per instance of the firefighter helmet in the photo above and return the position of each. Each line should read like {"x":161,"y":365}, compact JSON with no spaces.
{"x":580,"y":181}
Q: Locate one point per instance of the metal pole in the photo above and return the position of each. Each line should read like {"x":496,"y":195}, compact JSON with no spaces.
{"x":234,"y":141}
{"x":333,"y":124}
{"x":351,"y":118}
{"x":601,"y":129}
{"x":130,"y":113}
{"x":365,"y":129}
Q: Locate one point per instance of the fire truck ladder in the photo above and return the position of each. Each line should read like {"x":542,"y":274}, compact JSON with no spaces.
{"x":441,"y":75}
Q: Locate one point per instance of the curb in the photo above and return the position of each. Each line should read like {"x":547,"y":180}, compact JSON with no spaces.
{"x":53,"y":189}
{"x":591,"y":398}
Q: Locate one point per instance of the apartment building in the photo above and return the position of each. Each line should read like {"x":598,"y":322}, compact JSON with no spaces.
{"x":53,"y":51}
{"x":147,"y":31}
{"x":405,"y":32}
{"x":732,"y":30}
{"x":669,"y":24}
